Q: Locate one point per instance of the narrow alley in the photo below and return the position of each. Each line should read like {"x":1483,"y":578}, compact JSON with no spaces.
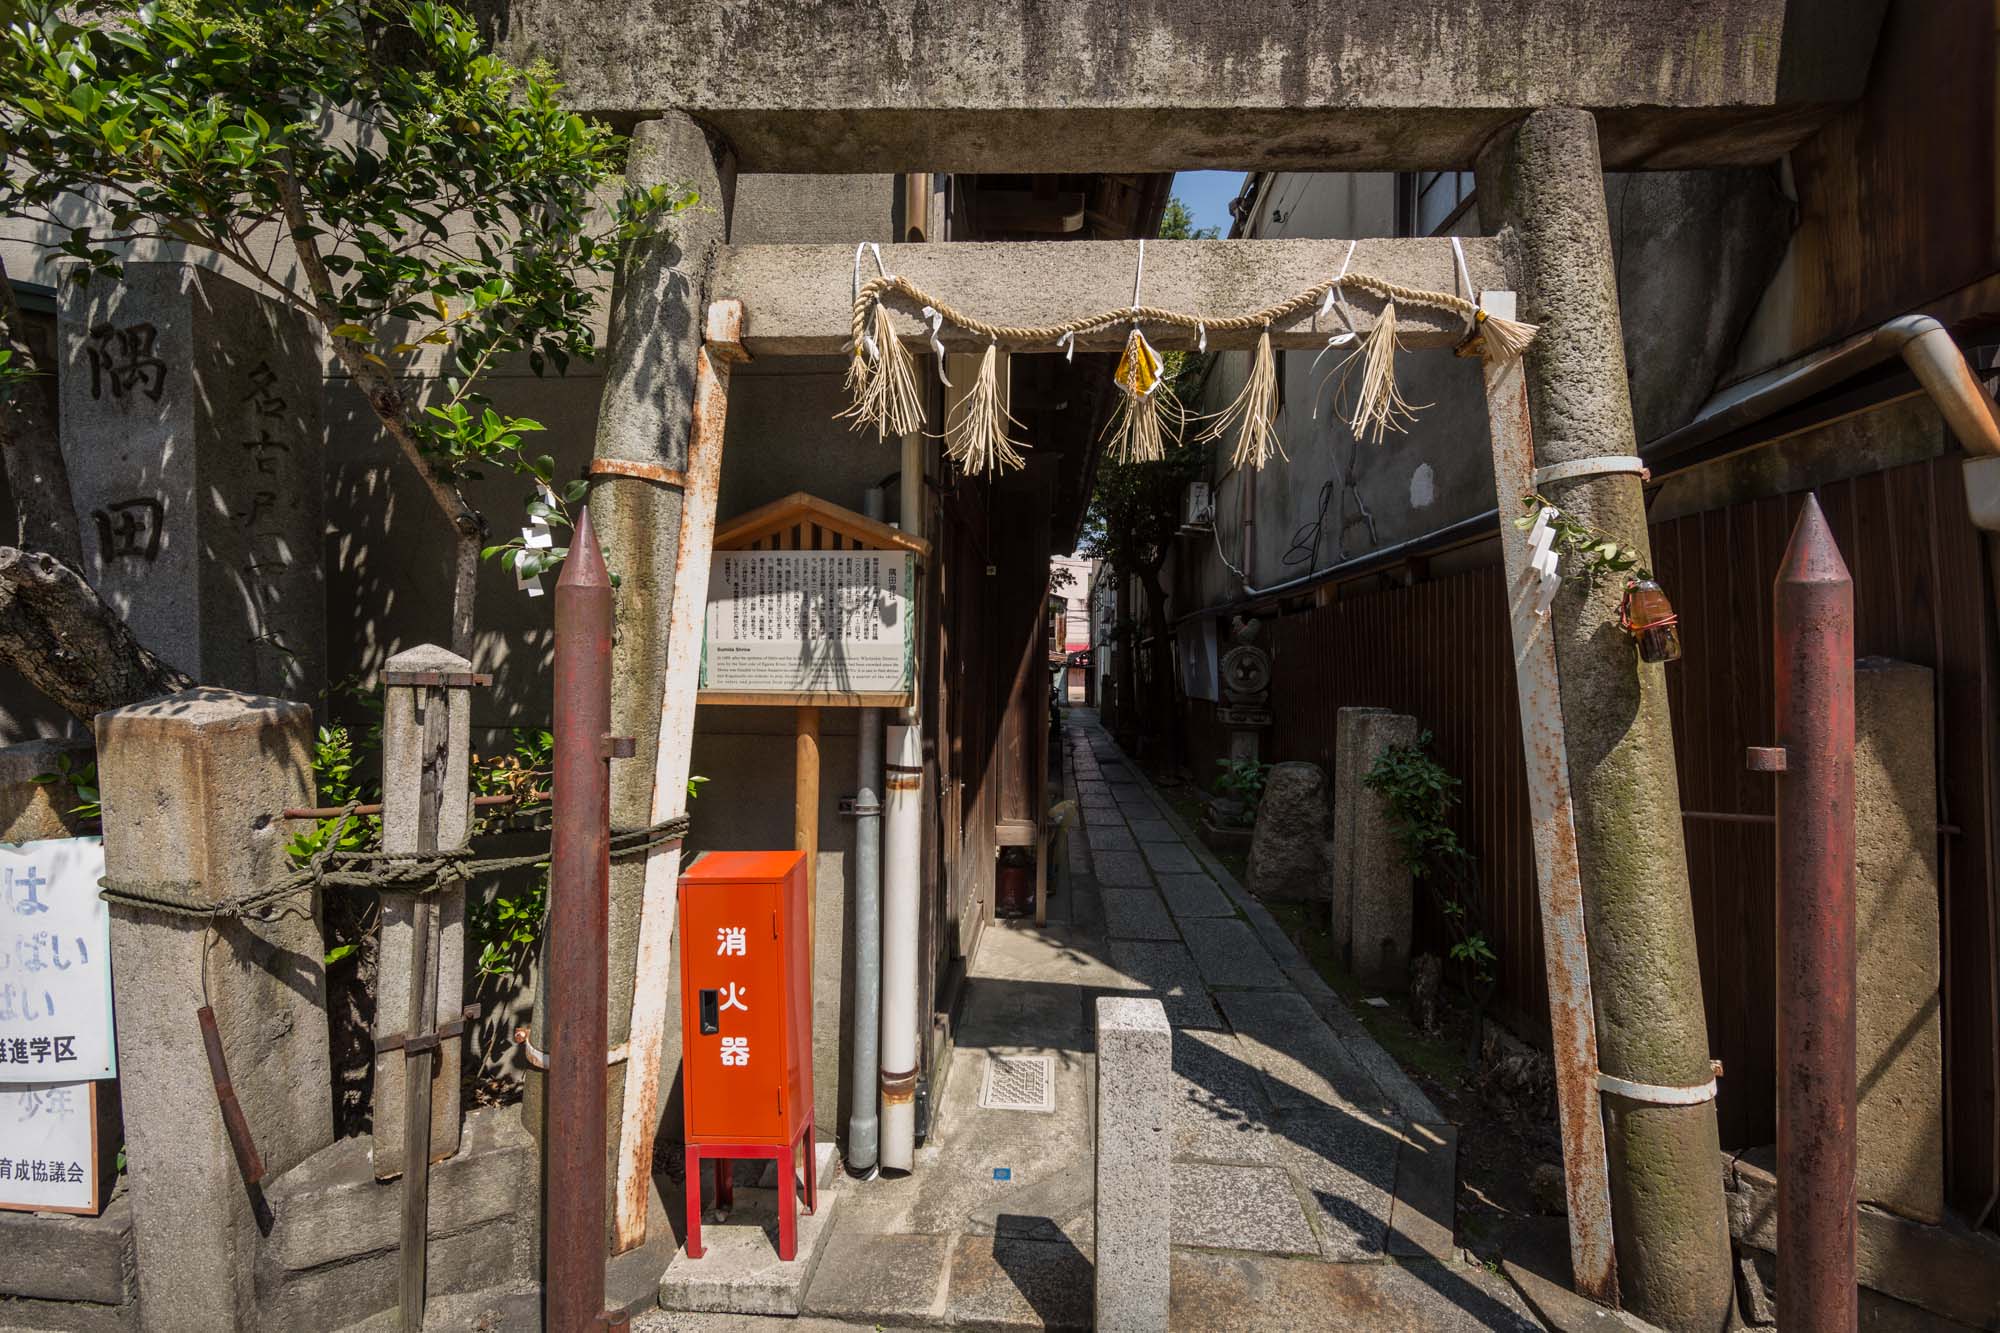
{"x":1312,"y":1180}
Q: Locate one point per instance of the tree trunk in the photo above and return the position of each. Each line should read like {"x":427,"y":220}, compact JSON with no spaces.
{"x":59,"y":634}
{"x":1160,"y":691}
{"x":1124,"y":717}
{"x":45,"y":517}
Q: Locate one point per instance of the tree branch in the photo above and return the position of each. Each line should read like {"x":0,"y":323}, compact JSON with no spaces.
{"x":69,"y":644}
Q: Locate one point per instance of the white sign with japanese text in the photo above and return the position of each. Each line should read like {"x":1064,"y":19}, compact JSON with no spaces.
{"x":48,"y":1147}
{"x":788,"y":622}
{"x":55,"y":963}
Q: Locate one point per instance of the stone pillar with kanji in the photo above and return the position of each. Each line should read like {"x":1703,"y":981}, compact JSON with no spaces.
{"x":191,"y":430}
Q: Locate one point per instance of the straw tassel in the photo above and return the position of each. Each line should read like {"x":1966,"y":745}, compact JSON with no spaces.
{"x":1148,"y":409}
{"x":1497,"y":338}
{"x":1379,"y":406}
{"x":885,"y":395}
{"x":976,"y":438}
{"x":1254,"y":414}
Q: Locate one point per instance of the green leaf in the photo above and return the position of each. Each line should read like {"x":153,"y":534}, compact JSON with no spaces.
{"x":352,"y":332}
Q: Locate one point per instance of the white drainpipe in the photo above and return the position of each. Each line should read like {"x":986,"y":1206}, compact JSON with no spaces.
{"x":902,"y":875}
{"x":863,"y":1123}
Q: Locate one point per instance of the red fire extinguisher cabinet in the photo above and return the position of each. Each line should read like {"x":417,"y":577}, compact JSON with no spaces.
{"x":746,"y":1025}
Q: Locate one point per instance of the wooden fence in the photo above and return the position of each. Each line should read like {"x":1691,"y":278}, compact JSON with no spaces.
{"x":1923,"y":593}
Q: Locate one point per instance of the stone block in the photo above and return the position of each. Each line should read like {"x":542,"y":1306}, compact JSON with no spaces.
{"x":740,"y":1272}
{"x":330,"y":1208}
{"x":1340,"y":871}
{"x":1137,"y":914}
{"x":193,"y":786}
{"x":28,"y":809}
{"x":1194,"y":896}
{"x":1220,"y":1111}
{"x":1288,"y":845}
{"x":405,"y":756}
{"x":1372,"y":895}
{"x":1121,"y":870}
{"x":1018,"y":1282}
{"x":1135,"y":1080}
{"x":1425,"y":1215}
{"x":1347,"y":1163}
{"x":1899,"y":1069}
{"x":1304,"y":1065}
{"x":895,"y":1279}
{"x":1228,"y":954}
{"x":1240,"y":1293}
{"x":1169,"y":972}
{"x":191,"y":430}
{"x":87,"y":1260}
{"x":1948,"y":1270}
{"x":1219,"y":1207}
{"x":1170,"y":858}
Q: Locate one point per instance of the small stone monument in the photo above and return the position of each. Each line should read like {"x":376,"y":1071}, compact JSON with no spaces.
{"x":1246,"y":683}
{"x":191,"y":430}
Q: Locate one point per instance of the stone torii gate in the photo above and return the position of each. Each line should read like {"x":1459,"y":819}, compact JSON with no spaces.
{"x":1538,"y":96}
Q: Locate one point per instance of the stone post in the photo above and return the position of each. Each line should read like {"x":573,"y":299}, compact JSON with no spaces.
{"x":1899,"y":1058}
{"x":657,"y":317}
{"x":1347,"y":790}
{"x":1374,"y":940}
{"x":1543,"y":182}
{"x":31,"y":810}
{"x":193,"y":785}
{"x":406,"y":758}
{"x":191,"y":431}
{"x":1135,"y":1149}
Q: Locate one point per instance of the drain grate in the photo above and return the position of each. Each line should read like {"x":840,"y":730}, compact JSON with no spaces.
{"x":1019,"y":1083}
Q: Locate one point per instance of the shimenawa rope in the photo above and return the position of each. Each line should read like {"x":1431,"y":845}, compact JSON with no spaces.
{"x":882,"y":378}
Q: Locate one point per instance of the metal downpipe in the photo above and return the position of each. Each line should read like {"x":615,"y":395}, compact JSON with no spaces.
{"x":902,"y":875}
{"x":863,"y":1122}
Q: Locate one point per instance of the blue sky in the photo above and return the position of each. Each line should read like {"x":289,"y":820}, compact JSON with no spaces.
{"x":1207,"y":195}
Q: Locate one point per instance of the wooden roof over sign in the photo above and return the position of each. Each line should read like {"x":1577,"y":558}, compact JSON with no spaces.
{"x":802,"y":522}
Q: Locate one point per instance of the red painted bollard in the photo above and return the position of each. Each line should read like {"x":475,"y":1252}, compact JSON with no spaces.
{"x":1813,"y":625}
{"x":576,"y":950}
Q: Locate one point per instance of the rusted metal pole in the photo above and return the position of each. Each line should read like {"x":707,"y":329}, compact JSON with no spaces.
{"x":575,"y":954}
{"x":1813,"y":631}
{"x":249,"y":1163}
{"x":1558,"y":879}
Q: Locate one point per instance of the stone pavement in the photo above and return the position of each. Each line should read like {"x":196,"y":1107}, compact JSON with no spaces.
{"x":1311,"y":1179}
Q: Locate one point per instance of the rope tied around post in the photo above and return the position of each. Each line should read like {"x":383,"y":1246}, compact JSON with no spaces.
{"x":414,"y":873}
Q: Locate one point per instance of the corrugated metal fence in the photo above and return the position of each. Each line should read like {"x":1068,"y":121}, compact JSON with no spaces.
{"x":1439,"y":650}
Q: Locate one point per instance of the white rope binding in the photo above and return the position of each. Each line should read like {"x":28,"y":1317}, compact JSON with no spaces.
{"x":1654,"y":1093}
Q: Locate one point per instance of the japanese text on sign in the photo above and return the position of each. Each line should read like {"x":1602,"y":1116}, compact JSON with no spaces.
{"x":733,"y":942}
{"x":55,"y":963}
{"x":809,"y":621}
{"x":48,"y":1147}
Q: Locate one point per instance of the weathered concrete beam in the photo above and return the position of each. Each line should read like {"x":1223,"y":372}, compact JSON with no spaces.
{"x":798,"y":299}
{"x":1024,"y":85}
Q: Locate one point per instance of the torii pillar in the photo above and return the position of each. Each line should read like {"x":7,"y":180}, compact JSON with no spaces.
{"x":654,"y":367}
{"x":1543,"y":181}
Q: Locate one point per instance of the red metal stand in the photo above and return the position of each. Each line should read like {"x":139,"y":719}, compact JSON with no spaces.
{"x":722,"y":1154}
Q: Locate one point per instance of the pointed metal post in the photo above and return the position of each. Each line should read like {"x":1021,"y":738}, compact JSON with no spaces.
{"x":573,"y":1183}
{"x":1813,"y":634}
